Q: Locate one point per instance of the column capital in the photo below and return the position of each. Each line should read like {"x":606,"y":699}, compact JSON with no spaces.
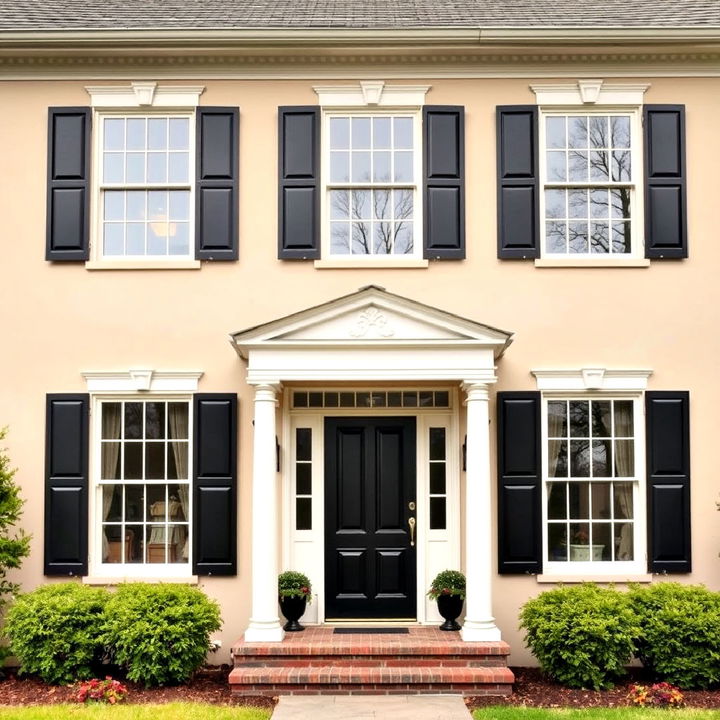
{"x":476,"y":391}
{"x":267,"y":391}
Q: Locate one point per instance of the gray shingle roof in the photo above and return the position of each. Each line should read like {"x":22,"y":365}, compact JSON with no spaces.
{"x":34,"y":15}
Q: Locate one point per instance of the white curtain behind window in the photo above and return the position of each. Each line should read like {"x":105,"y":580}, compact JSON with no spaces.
{"x":178,"y":421}
{"x":111,"y":424}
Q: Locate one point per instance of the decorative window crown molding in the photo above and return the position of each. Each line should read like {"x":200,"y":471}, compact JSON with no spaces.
{"x":144,"y":94}
{"x":143,"y":380}
{"x":371,"y":93}
{"x":589,"y":92}
{"x":592,"y":379}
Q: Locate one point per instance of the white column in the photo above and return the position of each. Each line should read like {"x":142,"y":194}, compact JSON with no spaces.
{"x":479,"y":621}
{"x":264,"y":621}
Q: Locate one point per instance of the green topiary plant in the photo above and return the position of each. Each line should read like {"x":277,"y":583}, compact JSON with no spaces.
{"x":55,"y":631}
{"x":294,"y":584}
{"x":581,"y":635}
{"x":679,"y":638}
{"x":160,"y":634}
{"x":447,"y":582}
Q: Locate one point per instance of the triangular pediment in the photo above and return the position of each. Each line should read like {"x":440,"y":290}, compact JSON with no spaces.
{"x":371,"y":316}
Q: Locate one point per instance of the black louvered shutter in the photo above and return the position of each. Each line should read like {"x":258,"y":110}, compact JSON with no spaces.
{"x":216,"y":189}
{"x":665,"y":182}
{"x":518,"y":182}
{"x":444,"y":182}
{"x":519,"y":483}
{"x":68,"y":184}
{"x":215,"y":484}
{"x":299,"y":183}
{"x":66,"y":484}
{"x":668,"y":472}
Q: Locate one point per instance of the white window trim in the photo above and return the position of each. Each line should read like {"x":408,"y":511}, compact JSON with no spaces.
{"x":595,"y":96}
{"x":371,"y":97}
{"x":605,"y":384}
{"x":109,"y":573}
{"x":142,"y":380}
{"x":143,"y":99}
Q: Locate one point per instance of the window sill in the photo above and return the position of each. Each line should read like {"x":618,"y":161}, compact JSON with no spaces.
{"x":592,"y":262}
{"x":120,"y":579}
{"x":142,"y":265}
{"x":595,"y":577}
{"x":369,"y":263}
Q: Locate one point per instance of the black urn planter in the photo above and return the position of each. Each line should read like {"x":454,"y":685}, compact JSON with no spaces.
{"x":292,"y":608}
{"x":450,"y":607}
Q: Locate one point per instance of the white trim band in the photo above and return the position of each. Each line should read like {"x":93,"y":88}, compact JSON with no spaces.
{"x":589,"y":92}
{"x":373,"y":93}
{"x":143,"y":380}
{"x":593,"y":379}
{"x":144,"y":94}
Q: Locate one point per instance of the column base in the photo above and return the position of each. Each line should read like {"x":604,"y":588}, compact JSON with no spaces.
{"x":474,"y":631}
{"x":264,"y":632}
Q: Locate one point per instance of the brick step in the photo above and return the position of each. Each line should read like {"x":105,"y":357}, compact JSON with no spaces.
{"x":375,"y":680}
{"x":379,"y":660}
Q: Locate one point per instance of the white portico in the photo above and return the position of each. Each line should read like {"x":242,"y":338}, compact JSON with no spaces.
{"x":375,"y":339}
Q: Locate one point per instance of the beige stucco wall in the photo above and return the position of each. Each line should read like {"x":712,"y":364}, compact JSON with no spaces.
{"x":61,"y":319}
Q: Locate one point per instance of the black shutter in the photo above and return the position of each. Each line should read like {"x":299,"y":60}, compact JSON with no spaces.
{"x":66,"y":484}
{"x":665,"y":178}
{"x":518,"y":181}
{"x":444,"y":182}
{"x":216,"y":189}
{"x":668,"y":471}
{"x":299,"y":183}
{"x":519,"y":483}
{"x":215,"y":485}
{"x":68,"y":183}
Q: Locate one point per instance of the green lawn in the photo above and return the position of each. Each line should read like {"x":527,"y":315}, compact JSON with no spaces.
{"x":519,"y":713}
{"x":171,"y":711}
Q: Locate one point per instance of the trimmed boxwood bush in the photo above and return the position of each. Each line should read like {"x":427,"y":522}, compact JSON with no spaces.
{"x":679,"y":638}
{"x":160,"y":634}
{"x":582,"y":635}
{"x":56,"y":631}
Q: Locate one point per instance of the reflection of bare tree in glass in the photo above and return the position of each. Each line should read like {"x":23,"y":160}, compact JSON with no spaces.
{"x":392,"y":221}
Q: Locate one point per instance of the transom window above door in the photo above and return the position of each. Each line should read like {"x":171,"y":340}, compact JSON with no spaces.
{"x":371,"y":191}
{"x":589,"y":182}
{"x":145,"y":186}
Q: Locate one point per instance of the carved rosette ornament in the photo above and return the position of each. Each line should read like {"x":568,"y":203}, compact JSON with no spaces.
{"x":371,"y":320}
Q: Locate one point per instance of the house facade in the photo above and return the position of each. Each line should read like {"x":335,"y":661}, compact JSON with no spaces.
{"x":366,"y":297}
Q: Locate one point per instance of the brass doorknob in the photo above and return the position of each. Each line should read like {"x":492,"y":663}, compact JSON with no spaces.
{"x":411,"y":523}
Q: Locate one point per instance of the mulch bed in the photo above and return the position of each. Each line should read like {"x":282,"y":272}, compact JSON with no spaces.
{"x":210,"y":686}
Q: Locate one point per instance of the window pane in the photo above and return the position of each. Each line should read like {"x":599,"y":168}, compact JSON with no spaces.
{"x":437,"y":478}
{"x":112,"y":503}
{"x":303,"y":479}
{"x":179,"y":131}
{"x":111,"y":421}
{"x":623,"y":418}
{"x":361,"y":205}
{"x":438,"y":515}
{"x":361,"y":240}
{"x":578,"y":203}
{"x":394,"y":399}
{"x":557,"y":419}
{"x":555,"y":132}
{"x":178,"y":167}
{"x":601,"y":547}
{"x":156,"y":167}
{"x":557,"y":458}
{"x":114,"y":134}
{"x":179,"y":243}
{"x":315,"y":399}
{"x":134,"y":502}
{"x":624,"y":542}
{"x":136,"y":204}
{"x":133,"y":455}
{"x":339,"y":238}
{"x":621,"y":170}
{"x":179,"y":204}
{"x":578,"y":237}
{"x":113,"y":239}
{"x":577,"y":132}
{"x":362,"y":399}
{"x":557,"y":501}
{"x":600,"y":493}
{"x":347,"y":399}
{"x":577,"y":166}
{"x":403,"y":167}
{"x":135,"y":167}
{"x":157,"y":133}
{"x":360,"y":133}
{"x":339,"y":166}
{"x":437,"y":443}
{"x":155,"y":461}
{"x":601,"y":458}
{"x":303,"y":514}
{"x":579,"y":458}
{"x":379,"y":399}
{"x":114,"y":206}
{"x":442,"y":398}
{"x":332,"y":399}
{"x":599,"y":166}
{"x":135,"y":233}
{"x":556,"y":239}
{"x":579,"y":536}
{"x":601,"y":423}
{"x":403,"y":132}
{"x":579,"y":420}
{"x":621,"y":237}
{"x":599,"y":135}
{"x":339,"y":133}
{"x":303,"y":437}
{"x":555,"y":204}
{"x":360,"y":167}
{"x":155,"y":420}
{"x":381,"y":167}
{"x":381,"y":204}
{"x":177,"y":460}
{"x":624,"y":458}
{"x":409,"y":399}
{"x":381,"y":132}
{"x":556,"y":171}
{"x":623,"y":495}
{"x":113,"y":168}
{"x":557,"y":541}
{"x":135,"y":541}
{"x":135,"y":134}
{"x":133,"y":420}
{"x":579,"y":500}
{"x":382,"y":238}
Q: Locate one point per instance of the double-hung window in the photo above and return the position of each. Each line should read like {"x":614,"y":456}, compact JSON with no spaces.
{"x":143,"y":501}
{"x":146,"y":171}
{"x":371,"y":192}
{"x":592,"y":468}
{"x":589,"y":173}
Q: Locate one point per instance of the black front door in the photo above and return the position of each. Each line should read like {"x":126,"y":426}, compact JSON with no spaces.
{"x":370,"y":566}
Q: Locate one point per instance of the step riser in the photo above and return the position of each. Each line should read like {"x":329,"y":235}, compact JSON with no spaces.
{"x":498,"y":689}
{"x":370,"y":661}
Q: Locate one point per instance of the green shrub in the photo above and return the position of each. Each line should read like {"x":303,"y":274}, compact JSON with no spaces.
{"x":294,"y":584}
{"x":679,"y":637}
{"x":447,"y":582}
{"x":581,"y":635}
{"x":160,"y":634}
{"x":55,"y":631}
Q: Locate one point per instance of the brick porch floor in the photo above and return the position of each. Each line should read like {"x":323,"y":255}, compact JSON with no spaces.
{"x":316,"y":661}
